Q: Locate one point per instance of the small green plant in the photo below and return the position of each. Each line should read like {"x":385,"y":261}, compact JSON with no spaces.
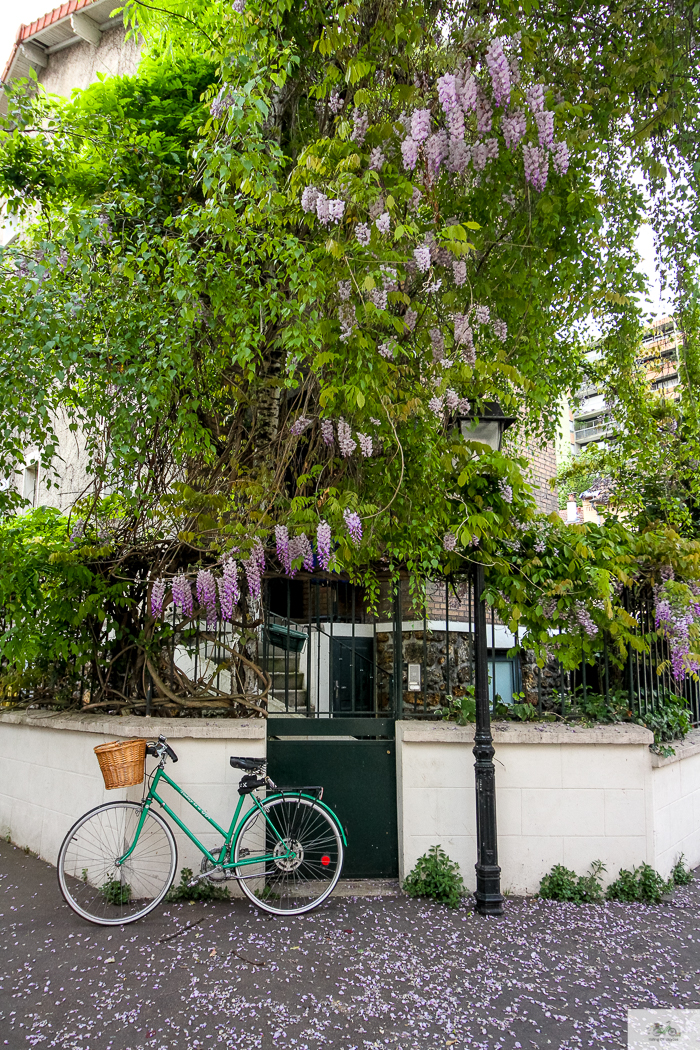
{"x":116,"y":892}
{"x":681,"y":875}
{"x":670,"y":721}
{"x":437,"y":877}
{"x":562,"y":884}
{"x":201,"y":891}
{"x":642,"y":884}
{"x":459,"y":709}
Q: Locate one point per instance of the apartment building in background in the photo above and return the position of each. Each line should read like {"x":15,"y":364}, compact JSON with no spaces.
{"x":593,"y":421}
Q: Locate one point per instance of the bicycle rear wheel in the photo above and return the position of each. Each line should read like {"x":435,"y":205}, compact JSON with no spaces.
{"x":278,"y":883}
{"x":89,"y":878}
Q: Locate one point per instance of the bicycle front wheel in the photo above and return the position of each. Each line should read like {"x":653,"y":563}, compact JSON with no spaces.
{"x":300,"y":853}
{"x":89,"y":878}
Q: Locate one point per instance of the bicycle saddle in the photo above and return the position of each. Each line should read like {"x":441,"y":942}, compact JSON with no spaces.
{"x":249,"y":764}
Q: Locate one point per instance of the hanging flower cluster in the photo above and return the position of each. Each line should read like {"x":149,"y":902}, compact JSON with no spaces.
{"x":354,"y":526}
{"x":677,"y":615}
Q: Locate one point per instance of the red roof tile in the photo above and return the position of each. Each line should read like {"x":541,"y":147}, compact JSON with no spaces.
{"x":25,"y":33}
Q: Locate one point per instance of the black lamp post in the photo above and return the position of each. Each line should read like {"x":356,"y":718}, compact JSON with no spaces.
{"x":488,"y":427}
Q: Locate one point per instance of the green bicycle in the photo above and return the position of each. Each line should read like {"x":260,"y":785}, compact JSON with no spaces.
{"x":118,"y":861}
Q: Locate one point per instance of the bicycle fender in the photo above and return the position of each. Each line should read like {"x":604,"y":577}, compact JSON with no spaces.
{"x":329,"y":811}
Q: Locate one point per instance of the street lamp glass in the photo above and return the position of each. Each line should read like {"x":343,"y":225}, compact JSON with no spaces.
{"x":487,"y":431}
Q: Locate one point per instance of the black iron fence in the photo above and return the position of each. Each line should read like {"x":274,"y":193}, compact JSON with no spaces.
{"x":312,"y":649}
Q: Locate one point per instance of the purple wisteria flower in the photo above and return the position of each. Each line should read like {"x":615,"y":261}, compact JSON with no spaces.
{"x":436,"y":405}
{"x":459,"y":272}
{"x":345,"y":439}
{"x":409,"y":319}
{"x":535,"y":97}
{"x":437,"y":341}
{"x":363,"y":234}
{"x":467,"y":92}
{"x":560,"y":158}
{"x":377,"y":160}
{"x":327,"y":432}
{"x":420,"y":125}
{"x":335,"y":102}
{"x":254,"y":567}
{"x":460,"y":155}
{"x":299,"y":426}
{"x":464,"y":407}
{"x":383,"y":223}
{"x":323,"y":544}
{"x":422,"y":256}
{"x":282,"y":546}
{"x":360,"y":124}
{"x":386,"y":350}
{"x":409,"y":153}
{"x":506,"y":491}
{"x":157,"y":598}
{"x":206,"y":595}
{"x":380,"y":298}
{"x":447,"y":92}
{"x":484,"y":114}
{"x":536,"y":162}
{"x":354,"y":525}
{"x":182,"y":594}
{"x":336,"y":210}
{"x":437,"y":149}
{"x":500,"y":329}
{"x":323,"y":211}
{"x":585,"y":620}
{"x":455,"y":125}
{"x":545,"y":127}
{"x":449,"y":541}
{"x":308,"y":198}
{"x":452,"y":399}
{"x":300,"y":547}
{"x":482,"y":314}
{"x":514,"y":126}
{"x":499,"y":71}
{"x":365,"y":442}
{"x":347,"y":316}
{"x":229,"y":591}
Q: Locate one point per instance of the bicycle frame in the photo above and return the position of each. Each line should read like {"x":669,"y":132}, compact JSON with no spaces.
{"x":153,"y":795}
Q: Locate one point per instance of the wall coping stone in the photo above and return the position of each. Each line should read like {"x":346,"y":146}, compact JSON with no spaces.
{"x":126,"y":726}
{"x":683,"y":748}
{"x":527,"y":733}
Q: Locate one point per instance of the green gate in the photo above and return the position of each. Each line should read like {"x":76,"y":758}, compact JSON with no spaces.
{"x":332,"y":712}
{"x":358,"y":775}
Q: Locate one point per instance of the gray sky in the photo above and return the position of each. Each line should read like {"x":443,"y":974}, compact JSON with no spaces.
{"x":12,"y":14}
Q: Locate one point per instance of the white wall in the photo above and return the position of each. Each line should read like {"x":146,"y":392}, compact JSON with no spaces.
{"x":49,"y":775}
{"x":565,"y":795}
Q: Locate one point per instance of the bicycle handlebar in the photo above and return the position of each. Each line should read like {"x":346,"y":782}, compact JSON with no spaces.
{"x":161,"y":749}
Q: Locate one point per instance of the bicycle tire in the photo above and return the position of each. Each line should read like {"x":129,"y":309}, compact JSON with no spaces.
{"x":283,"y":886}
{"x":87,"y":874}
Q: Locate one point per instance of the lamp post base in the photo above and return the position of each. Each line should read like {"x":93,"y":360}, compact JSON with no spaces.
{"x":488,"y":897}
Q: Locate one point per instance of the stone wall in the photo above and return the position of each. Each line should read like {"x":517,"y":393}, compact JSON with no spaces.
{"x":565,"y":795}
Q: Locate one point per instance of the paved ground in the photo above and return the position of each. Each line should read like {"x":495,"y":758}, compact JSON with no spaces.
{"x":357,"y":974}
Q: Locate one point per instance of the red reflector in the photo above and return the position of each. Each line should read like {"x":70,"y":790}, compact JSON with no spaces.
{"x":325,"y":860}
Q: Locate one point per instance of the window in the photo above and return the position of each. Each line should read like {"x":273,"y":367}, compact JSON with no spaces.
{"x":504,"y":676}
{"x":30,"y":480}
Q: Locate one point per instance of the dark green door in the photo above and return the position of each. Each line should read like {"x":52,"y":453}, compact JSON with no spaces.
{"x":357,"y":770}
{"x":352,"y":675}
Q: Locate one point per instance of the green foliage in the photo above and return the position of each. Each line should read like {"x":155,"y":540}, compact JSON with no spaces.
{"x":437,"y":877}
{"x":562,"y":884}
{"x":670,"y":721}
{"x":680,"y":874}
{"x":116,"y":892}
{"x":459,"y":709}
{"x":640,"y":884}
{"x":204,"y":890}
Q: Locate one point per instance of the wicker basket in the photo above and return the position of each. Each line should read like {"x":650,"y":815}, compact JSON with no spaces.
{"x":122,"y":762}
